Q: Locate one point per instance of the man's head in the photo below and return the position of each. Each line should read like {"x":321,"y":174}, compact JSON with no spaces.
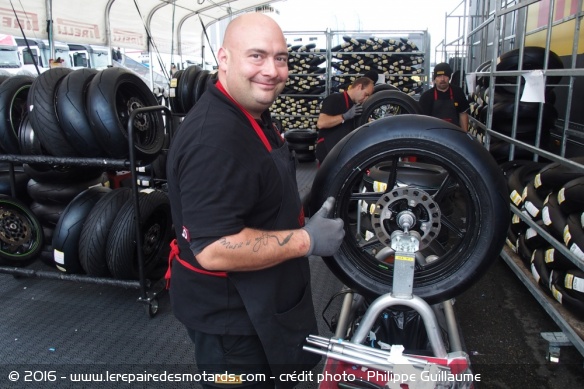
{"x":441,"y":77}
{"x":253,"y":61}
{"x":361,"y":89}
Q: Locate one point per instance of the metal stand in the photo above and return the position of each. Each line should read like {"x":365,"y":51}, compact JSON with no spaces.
{"x":404,"y":246}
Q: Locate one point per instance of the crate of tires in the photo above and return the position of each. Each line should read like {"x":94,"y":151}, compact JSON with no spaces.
{"x":552,"y":196}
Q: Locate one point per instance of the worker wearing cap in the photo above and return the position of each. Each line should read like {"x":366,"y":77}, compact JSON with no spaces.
{"x":445,"y":101}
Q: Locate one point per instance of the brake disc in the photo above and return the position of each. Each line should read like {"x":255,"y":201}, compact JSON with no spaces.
{"x":406,"y":209}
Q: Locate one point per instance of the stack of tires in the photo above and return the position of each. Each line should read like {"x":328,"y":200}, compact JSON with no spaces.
{"x":186,"y":87}
{"x":303,"y":143}
{"x":551,"y":195}
{"x":72,"y":114}
{"x":504,"y":101}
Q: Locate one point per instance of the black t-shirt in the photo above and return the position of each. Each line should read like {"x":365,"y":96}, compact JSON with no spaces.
{"x":221,"y":179}
{"x":332,"y":105}
{"x":459,"y":99}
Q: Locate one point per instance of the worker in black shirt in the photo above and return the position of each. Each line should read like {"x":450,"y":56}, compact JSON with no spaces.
{"x":445,"y":101}
{"x":337,"y":115}
{"x":239,"y":274}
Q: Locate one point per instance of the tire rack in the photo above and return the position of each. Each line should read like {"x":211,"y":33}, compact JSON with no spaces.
{"x":476,"y":46}
{"x":149,"y":291}
{"x":302,"y":109}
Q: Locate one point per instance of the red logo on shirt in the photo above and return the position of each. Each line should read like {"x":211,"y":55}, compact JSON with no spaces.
{"x":301,"y":217}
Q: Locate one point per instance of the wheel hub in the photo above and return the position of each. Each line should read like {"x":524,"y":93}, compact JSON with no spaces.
{"x":142,"y":120}
{"x":406,"y":209}
{"x":13,"y":230}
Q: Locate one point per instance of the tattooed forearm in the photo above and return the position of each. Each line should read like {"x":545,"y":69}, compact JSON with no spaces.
{"x":262,"y":240}
{"x":230,"y":245}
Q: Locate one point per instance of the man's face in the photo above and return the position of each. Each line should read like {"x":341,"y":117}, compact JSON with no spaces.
{"x":256,"y":68}
{"x":363,"y":93}
{"x":442,"y":82}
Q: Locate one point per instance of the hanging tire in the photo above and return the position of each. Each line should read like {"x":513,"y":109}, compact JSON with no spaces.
{"x":387,"y":103}
{"x":554,"y":259}
{"x":533,"y":59}
{"x":475,"y":232}
{"x":71,"y":111}
{"x":13,"y":110}
{"x":553,"y":217}
{"x":113,"y":94}
{"x":174,"y":97}
{"x":95,"y":231}
{"x":43,"y":113}
{"x":519,"y":178}
{"x":555,"y":175}
{"x":21,"y":234}
{"x":68,"y":230}
{"x":155,"y":228}
{"x":48,"y":214}
{"x":28,"y":142}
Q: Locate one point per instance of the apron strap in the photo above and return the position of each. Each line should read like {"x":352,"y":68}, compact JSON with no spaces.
{"x":174,"y":255}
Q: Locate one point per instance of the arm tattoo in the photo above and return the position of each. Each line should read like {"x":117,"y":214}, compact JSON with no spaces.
{"x":262,"y":240}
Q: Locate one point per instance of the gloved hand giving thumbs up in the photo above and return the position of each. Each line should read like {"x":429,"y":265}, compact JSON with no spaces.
{"x":325,"y":234}
{"x":353,"y":111}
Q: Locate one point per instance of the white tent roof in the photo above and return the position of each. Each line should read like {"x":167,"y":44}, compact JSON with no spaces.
{"x":174,"y":25}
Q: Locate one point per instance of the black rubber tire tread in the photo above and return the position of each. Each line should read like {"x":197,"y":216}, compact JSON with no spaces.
{"x":533,"y":200}
{"x":380,"y":87}
{"x":574,"y":235}
{"x":28,"y":142}
{"x":300,"y":147}
{"x":62,"y":174}
{"x":555,"y":175}
{"x":301,"y":136}
{"x":155,"y":226}
{"x":554,"y":259}
{"x":185,"y":86}
{"x":308,"y":156}
{"x":58,"y":192}
{"x":21,"y":234}
{"x":48,"y":215}
{"x":68,"y":230}
{"x":471,"y":167}
{"x":573,"y":282}
{"x":112,"y":95}
{"x":553,"y":217}
{"x":524,"y":252}
{"x":200,"y":85}
{"x":20,"y":183}
{"x":571,"y":196}
{"x":174,"y":102}
{"x":533,"y":58}
{"x":533,"y":240}
{"x":405,"y":102}
{"x":575,"y":305}
{"x":43,"y":113}
{"x":539,"y":270}
{"x":71,"y":98}
{"x":13,"y":110}
{"x":95,"y":232}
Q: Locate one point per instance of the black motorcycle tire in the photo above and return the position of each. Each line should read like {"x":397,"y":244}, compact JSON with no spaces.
{"x":472,"y":170}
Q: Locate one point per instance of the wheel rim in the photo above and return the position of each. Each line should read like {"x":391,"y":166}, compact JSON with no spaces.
{"x":371,"y":214}
{"x":128,"y":99}
{"x":16,"y":233}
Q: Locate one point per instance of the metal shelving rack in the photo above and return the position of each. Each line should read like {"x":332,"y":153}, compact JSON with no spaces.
{"x":497,"y":27}
{"x":332,"y":41}
{"x":149,"y":291}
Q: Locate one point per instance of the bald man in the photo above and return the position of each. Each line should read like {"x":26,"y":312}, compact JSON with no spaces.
{"x":240,"y":279}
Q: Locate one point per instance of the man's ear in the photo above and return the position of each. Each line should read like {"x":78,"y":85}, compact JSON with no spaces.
{"x":222,"y":56}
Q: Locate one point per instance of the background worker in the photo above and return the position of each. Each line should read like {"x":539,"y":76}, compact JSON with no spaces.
{"x":337,"y":115}
{"x":445,"y":101}
{"x":239,"y":275}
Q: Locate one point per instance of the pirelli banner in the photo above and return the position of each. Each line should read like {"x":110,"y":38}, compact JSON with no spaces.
{"x":75,"y":22}
{"x":564,"y":19}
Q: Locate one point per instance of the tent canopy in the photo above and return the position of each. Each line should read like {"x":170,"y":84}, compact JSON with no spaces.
{"x":175,"y":26}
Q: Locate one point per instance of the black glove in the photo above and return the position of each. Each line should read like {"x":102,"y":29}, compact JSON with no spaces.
{"x":325,"y":234}
{"x":355,"y":110}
